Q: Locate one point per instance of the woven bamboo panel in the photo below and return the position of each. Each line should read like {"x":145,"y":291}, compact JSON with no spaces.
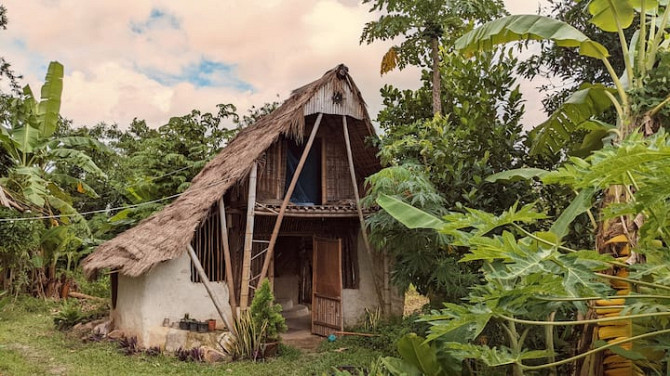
{"x":272,"y":172}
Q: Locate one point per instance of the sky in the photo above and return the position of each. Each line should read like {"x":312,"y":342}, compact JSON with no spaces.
{"x":154,"y":59}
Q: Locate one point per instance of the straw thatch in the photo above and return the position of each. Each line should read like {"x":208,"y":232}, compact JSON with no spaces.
{"x":165,"y":235}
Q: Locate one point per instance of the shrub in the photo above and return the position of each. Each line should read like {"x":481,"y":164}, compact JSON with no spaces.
{"x":247,"y":344}
{"x":264,"y":310}
{"x":69,"y":315}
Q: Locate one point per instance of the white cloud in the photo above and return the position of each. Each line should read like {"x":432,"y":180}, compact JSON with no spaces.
{"x":118,"y":55}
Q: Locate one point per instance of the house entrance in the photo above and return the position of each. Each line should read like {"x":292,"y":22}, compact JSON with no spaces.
{"x":293,"y":269}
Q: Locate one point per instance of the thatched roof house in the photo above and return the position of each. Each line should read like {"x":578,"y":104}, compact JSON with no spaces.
{"x":290,"y":174}
{"x":164,"y":235}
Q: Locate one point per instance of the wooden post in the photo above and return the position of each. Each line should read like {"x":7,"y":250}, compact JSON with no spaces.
{"x":226,"y":315}
{"x":226,"y":256}
{"x":368,"y":248}
{"x":248,"y":238}
{"x":287,"y":198}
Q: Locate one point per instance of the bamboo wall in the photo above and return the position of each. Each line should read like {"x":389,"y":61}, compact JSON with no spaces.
{"x":335,"y":178}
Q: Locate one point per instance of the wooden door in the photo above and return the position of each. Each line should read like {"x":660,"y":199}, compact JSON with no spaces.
{"x":327,"y":287}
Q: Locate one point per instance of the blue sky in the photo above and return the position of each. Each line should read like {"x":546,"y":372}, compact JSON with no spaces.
{"x":154,"y":59}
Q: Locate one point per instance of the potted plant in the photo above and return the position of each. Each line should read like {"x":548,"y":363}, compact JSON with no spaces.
{"x":184,"y":323}
{"x":264,"y":312}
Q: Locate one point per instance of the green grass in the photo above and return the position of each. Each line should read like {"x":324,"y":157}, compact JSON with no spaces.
{"x":29,"y":345}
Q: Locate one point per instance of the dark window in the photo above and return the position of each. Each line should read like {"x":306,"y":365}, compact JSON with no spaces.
{"x":308,"y":189}
{"x":349,"y":262}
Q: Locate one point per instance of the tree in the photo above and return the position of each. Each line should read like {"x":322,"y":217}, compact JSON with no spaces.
{"x":28,"y":136}
{"x":425,"y":24}
{"x":441,"y":162}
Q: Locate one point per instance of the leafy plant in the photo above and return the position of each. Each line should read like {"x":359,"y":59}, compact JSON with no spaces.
{"x":69,"y":315}
{"x":247,"y":343}
{"x":265,"y":313}
{"x":535,"y":285}
{"x":153,"y":351}
{"x":129,"y":345}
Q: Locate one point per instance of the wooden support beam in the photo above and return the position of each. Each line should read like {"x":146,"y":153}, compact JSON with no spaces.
{"x":224,"y":312}
{"x":287,"y":198}
{"x":226,"y":256}
{"x":368,"y":248}
{"x":248,"y":238}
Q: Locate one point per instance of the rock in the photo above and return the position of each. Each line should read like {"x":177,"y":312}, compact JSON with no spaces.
{"x":115,"y":334}
{"x":102,"y":328}
{"x":214,"y":356}
{"x":175,"y":339}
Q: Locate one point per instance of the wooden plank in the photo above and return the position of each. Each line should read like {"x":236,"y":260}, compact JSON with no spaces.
{"x":368,"y":248}
{"x":287,"y":198}
{"x":230,"y":280}
{"x":248,"y":237}
{"x":226,"y":314}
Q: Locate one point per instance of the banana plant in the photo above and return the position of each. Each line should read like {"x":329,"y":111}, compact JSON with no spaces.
{"x":580,"y":111}
{"x":644,"y":57}
{"x":27,"y":136}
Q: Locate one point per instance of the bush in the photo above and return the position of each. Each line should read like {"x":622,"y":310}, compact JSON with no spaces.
{"x":69,"y":315}
{"x":264,"y":310}
{"x":247,"y":344}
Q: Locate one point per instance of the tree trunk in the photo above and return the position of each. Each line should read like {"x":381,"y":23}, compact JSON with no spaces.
{"x":437,"y":86}
{"x":615,"y":237}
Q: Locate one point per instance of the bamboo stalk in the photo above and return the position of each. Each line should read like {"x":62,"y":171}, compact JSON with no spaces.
{"x":226,"y":256}
{"x":248,"y":238}
{"x":368,"y":248}
{"x":226,"y":315}
{"x":287,"y":198}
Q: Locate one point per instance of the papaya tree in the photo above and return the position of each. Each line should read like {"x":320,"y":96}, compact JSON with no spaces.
{"x":424,"y":24}
{"x":535,"y":284}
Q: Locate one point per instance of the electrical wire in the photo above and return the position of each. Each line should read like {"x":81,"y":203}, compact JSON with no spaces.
{"x":216,"y":182}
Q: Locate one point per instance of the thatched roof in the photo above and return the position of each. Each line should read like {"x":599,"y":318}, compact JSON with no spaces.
{"x":166,"y":234}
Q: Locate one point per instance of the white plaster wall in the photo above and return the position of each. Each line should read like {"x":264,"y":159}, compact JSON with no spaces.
{"x":164,"y":292}
{"x":355,"y":301}
{"x":127,"y":315}
{"x":287,"y":287}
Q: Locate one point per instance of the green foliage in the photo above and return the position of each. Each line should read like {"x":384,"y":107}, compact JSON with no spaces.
{"x":248,"y":341}
{"x":565,"y":69}
{"x":265,"y":313}
{"x":419,"y":21}
{"x":69,"y":315}
{"x":640,"y":58}
{"x":19,"y":249}
{"x":532,"y":275}
{"x":420,"y":358}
